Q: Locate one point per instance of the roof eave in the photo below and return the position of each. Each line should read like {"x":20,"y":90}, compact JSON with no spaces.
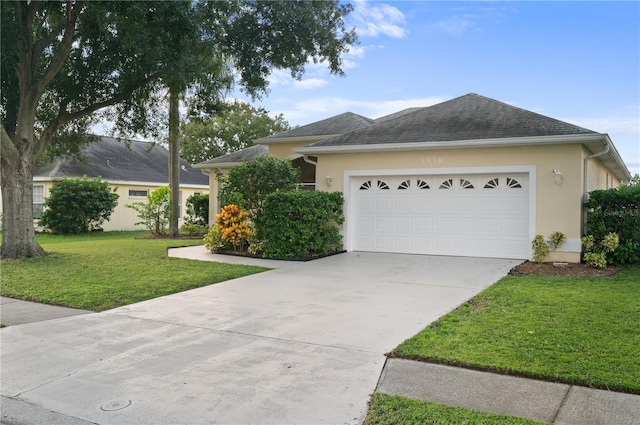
{"x":593,"y":141}
{"x":297,"y":139}
{"x":222,"y":165}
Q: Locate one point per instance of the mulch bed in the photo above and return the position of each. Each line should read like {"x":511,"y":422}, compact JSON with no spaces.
{"x":566,"y":269}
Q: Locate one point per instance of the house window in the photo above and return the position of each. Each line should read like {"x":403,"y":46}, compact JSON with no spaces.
{"x":138,"y":193}
{"x":38,"y":200}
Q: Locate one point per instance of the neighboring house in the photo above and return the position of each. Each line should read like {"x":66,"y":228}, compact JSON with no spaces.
{"x":134,"y":168}
{"x":468,"y":177}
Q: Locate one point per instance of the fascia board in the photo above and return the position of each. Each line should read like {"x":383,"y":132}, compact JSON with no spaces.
{"x":304,"y":139}
{"x":214,"y":165}
{"x":125,"y":182}
{"x":454,"y":144}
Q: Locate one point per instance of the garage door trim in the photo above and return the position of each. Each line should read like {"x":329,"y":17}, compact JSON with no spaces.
{"x":350,"y":175}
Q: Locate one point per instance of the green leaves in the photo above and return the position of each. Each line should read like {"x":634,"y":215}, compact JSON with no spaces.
{"x":300,"y":224}
{"x":78,"y":205}
{"x":251,"y":182}
{"x":234,"y":128}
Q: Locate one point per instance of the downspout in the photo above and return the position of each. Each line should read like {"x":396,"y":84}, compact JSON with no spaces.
{"x":585,"y":195}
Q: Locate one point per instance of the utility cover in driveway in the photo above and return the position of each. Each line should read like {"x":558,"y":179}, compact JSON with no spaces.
{"x":463,"y":215}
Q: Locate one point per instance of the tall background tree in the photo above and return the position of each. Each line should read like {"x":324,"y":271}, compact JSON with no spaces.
{"x":64,"y":62}
{"x":233,"y":128}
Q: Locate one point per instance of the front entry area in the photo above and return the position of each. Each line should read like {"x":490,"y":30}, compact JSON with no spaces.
{"x":471,"y":215}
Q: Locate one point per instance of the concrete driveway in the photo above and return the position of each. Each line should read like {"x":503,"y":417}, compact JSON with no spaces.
{"x":303,"y":343}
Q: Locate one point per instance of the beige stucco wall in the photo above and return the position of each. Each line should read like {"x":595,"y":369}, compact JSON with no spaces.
{"x":283,"y":150}
{"x":557,"y":207}
{"x":124,"y":218}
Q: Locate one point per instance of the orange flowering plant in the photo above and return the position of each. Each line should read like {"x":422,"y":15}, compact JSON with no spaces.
{"x":234,"y":227}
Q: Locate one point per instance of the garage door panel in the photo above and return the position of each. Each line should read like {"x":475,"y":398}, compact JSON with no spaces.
{"x":383,"y":205}
{"x":445,"y":225}
{"x":423,"y":204}
{"x":475,"y":215}
{"x":403,"y":223}
{"x":423,"y":224}
{"x":384,"y":223}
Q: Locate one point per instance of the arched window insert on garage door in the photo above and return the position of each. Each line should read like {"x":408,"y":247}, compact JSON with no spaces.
{"x":366,"y":185}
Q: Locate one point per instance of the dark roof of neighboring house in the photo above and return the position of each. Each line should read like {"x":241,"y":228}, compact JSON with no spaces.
{"x":115,"y":160}
{"x":338,"y":124}
{"x":246,"y":154}
{"x":469,"y":117}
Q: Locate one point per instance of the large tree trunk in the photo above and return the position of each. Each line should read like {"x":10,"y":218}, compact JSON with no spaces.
{"x":174,"y":161}
{"x":18,"y":232}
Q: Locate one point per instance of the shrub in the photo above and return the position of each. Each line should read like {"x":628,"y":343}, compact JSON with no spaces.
{"x":300,"y":224}
{"x":248,"y":185}
{"x":233,"y":225}
{"x":213,"y":240}
{"x":191,"y":229}
{"x":595,"y":254}
{"x":198,"y":210}
{"x":78,"y":205}
{"x":616,"y":211}
{"x":154,"y":214}
{"x":542,"y":247}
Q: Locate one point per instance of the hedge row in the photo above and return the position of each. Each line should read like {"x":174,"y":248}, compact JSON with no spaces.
{"x":300,"y":224}
{"x":616,"y":210}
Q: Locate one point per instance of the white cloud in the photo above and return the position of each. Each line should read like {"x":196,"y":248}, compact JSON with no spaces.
{"x":471,"y":18}
{"x":624,"y":129}
{"x":379,"y":19}
{"x":311,"y":83}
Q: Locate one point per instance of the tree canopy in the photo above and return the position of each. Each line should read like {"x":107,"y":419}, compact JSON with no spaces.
{"x":67,"y":63}
{"x":235,"y":127}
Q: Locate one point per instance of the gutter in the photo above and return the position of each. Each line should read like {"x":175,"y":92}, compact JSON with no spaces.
{"x":585,"y":194}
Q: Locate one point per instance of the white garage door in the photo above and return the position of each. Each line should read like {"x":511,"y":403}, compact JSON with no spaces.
{"x":461,"y":215}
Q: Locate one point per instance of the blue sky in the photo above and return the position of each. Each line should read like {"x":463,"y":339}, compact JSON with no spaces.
{"x":576,"y":61}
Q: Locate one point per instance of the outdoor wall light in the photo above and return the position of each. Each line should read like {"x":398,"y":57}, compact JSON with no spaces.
{"x":329,"y":180}
{"x":558,"y":176}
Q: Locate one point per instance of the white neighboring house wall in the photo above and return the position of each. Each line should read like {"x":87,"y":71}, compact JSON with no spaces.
{"x":122,"y":218}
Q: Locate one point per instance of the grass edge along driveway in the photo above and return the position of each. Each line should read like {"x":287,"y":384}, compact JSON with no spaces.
{"x":100,"y":271}
{"x":574,"y":330}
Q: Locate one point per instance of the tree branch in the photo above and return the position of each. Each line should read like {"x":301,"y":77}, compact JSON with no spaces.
{"x":65,"y":117}
{"x":62,"y":52}
{"x":8,"y":148}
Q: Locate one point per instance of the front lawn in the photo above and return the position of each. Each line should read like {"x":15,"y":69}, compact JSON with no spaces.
{"x":394,"y":410}
{"x":577,"y":330}
{"x":101,"y":271}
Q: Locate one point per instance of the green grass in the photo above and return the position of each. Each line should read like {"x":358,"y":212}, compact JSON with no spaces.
{"x":100,"y":271}
{"x":394,"y":410}
{"x":577,"y":330}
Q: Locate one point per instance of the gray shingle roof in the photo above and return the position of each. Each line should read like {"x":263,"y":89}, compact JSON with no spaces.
{"x":246,"y":154}
{"x":338,"y":124}
{"x":469,"y":117}
{"x":111,"y":160}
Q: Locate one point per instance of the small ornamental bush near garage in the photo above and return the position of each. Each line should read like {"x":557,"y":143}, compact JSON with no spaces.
{"x":542,"y":247}
{"x":300,"y":224}
{"x":233,"y":225}
{"x":595,"y":254}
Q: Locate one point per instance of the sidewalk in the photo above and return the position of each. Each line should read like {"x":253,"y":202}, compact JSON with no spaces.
{"x":18,"y":312}
{"x":508,"y":395}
